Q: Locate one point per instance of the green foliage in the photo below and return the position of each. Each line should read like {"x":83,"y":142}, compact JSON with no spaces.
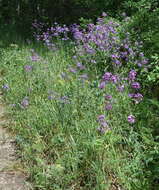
{"x":143,"y":25}
{"x":59,"y":143}
{"x":84,"y":22}
{"x":153,"y":75}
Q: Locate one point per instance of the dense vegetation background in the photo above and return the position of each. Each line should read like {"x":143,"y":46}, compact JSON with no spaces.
{"x":144,"y":16}
{"x":23,"y":12}
{"x":61,"y":147}
{"x":70,"y":11}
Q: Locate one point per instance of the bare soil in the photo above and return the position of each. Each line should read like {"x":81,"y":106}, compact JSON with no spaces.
{"x":10,"y":177}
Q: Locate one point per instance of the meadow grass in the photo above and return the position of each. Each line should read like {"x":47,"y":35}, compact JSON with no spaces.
{"x":54,"y":113}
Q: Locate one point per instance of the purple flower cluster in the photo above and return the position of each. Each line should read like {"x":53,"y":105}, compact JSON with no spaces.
{"x":120,"y":83}
{"x":80,"y":66}
{"x":34,"y":57}
{"x":108,"y":97}
{"x":79,"y":69}
{"x":135,"y":85}
{"x":108,"y":104}
{"x":28,"y":68}
{"x":110,"y":78}
{"x":103,"y":128}
{"x":131,"y":119}
{"x":51,"y":33}
{"x":101,"y":43}
{"x":107,"y":76}
{"x":137,"y":98}
{"x":72,"y":70}
{"x":103,"y":37}
{"x":25,"y":102}
{"x":39,"y":28}
{"x":132,"y":75}
{"x":102,"y":84}
{"x":121,"y":88}
{"x":64,"y":99}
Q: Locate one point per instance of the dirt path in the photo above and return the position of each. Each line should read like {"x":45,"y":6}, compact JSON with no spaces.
{"x":10,"y":178}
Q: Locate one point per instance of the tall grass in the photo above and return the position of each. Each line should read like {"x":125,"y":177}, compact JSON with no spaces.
{"x":56,"y":116}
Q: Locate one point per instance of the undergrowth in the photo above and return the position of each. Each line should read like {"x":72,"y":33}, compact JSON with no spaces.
{"x":74,"y":130}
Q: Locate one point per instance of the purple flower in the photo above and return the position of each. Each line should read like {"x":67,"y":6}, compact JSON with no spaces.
{"x":101,"y":130}
{"x":90,"y":51}
{"x":108,"y":97}
{"x":126,"y":47}
{"x":50,"y":97}
{"x":135,"y":85}
{"x":72,"y":70}
{"x":28,"y":68}
{"x":136,"y":97}
{"x":121,"y":88}
{"x":131,"y":119}
{"x":144,"y":61}
{"x":102,"y":85}
{"x":78,"y":35}
{"x":141,"y":54}
{"x":5,"y":87}
{"x":107,"y":76}
{"x":132,"y":75}
{"x":25,"y":102}
{"x":103,"y":127}
{"x":124,"y":54}
{"x":64,"y":99}
{"x":100,"y":20}
{"x":103,"y":124}
{"x":101,"y":118}
{"x":80,"y":66}
{"x":114,"y":78}
{"x":108,"y":107}
{"x":35,"y":57}
{"x":117,"y":62}
{"x":114,"y":56}
{"x":131,"y":95}
{"x":139,"y":65}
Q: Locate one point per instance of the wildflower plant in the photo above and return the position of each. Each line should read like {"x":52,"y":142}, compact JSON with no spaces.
{"x":78,"y":108}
